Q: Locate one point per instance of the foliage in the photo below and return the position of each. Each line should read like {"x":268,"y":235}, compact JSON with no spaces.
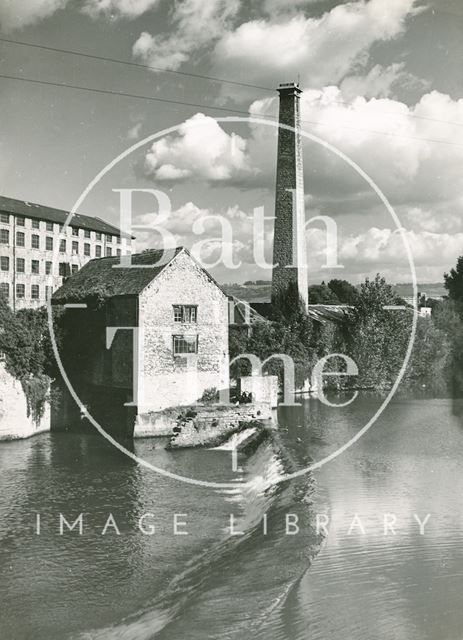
{"x":344,"y":291}
{"x":454,"y":281}
{"x":36,"y":390}
{"x":322,"y":294}
{"x":210,"y":395}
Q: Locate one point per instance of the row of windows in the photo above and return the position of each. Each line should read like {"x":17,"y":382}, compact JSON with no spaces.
{"x":64,"y":268}
{"x":21,"y":291}
{"x":35,"y":224}
{"x":35,"y":244}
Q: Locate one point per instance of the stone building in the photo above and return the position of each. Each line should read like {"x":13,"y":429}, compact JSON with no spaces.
{"x":30,"y":237}
{"x":155,"y":334}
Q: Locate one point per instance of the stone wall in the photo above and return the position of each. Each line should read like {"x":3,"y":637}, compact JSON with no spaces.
{"x":210,"y":420}
{"x":14,"y":419}
{"x":167,"y":380}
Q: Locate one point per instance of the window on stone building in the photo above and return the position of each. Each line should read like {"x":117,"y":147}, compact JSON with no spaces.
{"x":75,"y":247}
{"x":36,"y":224}
{"x":4,"y":263}
{"x":86,"y":249}
{"x":87,"y":233}
{"x":118,"y":252}
{"x":118,"y":239}
{"x":109,"y":251}
{"x":109,"y":238}
{"x":49,"y":226}
{"x":35,"y":292}
{"x":35,"y":241}
{"x":98,"y":235}
{"x":20,"y":221}
{"x":75,"y":231}
{"x":20,"y":290}
{"x":34,"y":266}
{"x":184,"y":344}
{"x":49,"y":243}
{"x":20,"y":265}
{"x":20,"y":238}
{"x":75,"y":268}
{"x":98,"y":251}
{"x":62,"y":246}
{"x":4,"y":236}
{"x":5,"y":218}
{"x":5,"y":289}
{"x":48,"y":267}
{"x":185,"y":313}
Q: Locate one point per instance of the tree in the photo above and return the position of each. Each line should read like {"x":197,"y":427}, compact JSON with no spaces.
{"x":321,"y":294}
{"x":453,"y":281}
{"x":344,"y":291}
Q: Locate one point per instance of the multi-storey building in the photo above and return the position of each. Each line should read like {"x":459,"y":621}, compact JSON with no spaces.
{"x":30,"y":237}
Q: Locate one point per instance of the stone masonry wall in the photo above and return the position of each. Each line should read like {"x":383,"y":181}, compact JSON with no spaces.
{"x":167,"y":380}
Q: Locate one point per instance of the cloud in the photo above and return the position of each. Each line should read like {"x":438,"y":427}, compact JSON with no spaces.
{"x":195,"y":24}
{"x":200,"y":150}
{"x":322,"y":50}
{"x":17,"y":15}
{"x":379,"y":82}
{"x":118,"y":8}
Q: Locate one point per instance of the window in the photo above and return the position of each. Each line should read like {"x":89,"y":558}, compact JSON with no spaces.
{"x":36,"y":224}
{"x":75,"y":268}
{"x":62,"y":246}
{"x":35,"y":291}
{"x":48,"y":292}
{"x":49,"y":243}
{"x":20,"y":290}
{"x":5,"y":218}
{"x":34,"y":266}
{"x":20,"y":238}
{"x":87,"y":233}
{"x":20,"y":265}
{"x":63,"y":269}
{"x":49,"y":226}
{"x":4,"y":263}
{"x":109,"y":251}
{"x":185,"y":313}
{"x":5,"y":289}
{"x":4,"y":236}
{"x":118,"y":238}
{"x":35,"y":241}
{"x":75,"y":231}
{"x":118,"y":252}
{"x":185,"y":344}
{"x":109,"y":238}
{"x":75,"y":247}
{"x":98,"y":235}
{"x":48,"y":267}
{"x":98,"y":251}
{"x":20,"y":220}
{"x":86,"y":249}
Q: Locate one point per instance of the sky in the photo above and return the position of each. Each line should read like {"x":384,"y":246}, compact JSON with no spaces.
{"x":381,"y":83}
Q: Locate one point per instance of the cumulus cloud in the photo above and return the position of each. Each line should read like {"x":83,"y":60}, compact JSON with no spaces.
{"x":323,"y":49}
{"x":195,"y":24}
{"x":201,"y":149}
{"x":17,"y":15}
{"x":118,"y":8}
{"x":379,"y":82}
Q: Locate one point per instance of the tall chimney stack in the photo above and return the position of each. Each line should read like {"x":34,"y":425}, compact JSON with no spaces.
{"x":289,"y":249}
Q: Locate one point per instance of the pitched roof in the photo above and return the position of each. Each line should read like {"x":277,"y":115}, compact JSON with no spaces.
{"x":103,"y":277}
{"x":320,"y":312}
{"x":50,"y":214}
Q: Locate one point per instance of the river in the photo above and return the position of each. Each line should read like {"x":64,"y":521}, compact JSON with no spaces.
{"x":351,"y":578}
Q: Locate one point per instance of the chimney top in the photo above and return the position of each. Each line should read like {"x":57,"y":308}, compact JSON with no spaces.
{"x":289,"y":87}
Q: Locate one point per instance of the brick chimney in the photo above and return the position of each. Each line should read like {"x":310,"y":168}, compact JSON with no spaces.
{"x":289,"y":249}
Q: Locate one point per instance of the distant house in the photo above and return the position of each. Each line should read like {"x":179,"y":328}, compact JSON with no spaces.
{"x":180,"y":316}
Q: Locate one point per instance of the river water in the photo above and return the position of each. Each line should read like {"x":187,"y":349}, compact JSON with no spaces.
{"x":353,"y":578}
